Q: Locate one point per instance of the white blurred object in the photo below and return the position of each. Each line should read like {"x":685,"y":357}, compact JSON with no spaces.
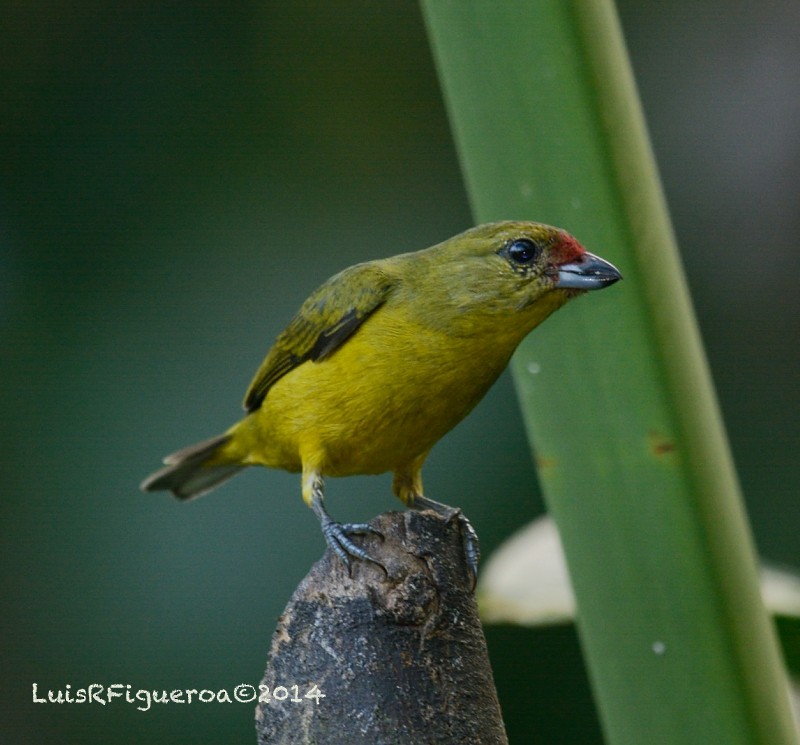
{"x":526,"y":582}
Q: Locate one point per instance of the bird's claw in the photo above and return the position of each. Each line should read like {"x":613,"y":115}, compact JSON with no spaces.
{"x":472,"y":547}
{"x":472,"y":550}
{"x":337,"y":536}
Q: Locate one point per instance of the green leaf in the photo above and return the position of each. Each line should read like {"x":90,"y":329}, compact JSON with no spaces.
{"x":615,"y":389}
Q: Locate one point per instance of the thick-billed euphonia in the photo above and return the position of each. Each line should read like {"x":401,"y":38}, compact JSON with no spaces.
{"x":384,"y":359}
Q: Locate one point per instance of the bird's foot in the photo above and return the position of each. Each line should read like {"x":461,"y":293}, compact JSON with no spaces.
{"x":472,"y":550}
{"x":337,"y":536}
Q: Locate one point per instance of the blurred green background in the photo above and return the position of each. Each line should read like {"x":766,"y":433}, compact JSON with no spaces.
{"x":176,"y":178}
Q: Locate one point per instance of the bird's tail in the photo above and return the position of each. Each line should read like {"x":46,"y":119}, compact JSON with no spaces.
{"x":193,"y":471}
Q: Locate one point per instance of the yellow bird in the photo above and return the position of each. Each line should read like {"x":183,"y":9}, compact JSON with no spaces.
{"x":384,"y":359}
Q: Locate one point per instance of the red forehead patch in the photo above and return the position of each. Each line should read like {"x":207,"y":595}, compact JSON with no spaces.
{"x":567,"y":249}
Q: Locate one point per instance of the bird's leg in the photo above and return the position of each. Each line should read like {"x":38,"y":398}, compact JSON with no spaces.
{"x":337,"y":535}
{"x":407,"y":487}
{"x":472,"y":549}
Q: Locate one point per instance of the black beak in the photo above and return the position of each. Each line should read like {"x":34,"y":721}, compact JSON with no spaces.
{"x":589,"y":272}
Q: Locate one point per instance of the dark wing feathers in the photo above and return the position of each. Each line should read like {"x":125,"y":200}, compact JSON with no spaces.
{"x":331,"y":338}
{"x":325,"y":321}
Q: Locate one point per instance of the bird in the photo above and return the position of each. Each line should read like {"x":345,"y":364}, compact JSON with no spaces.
{"x":385,"y":358}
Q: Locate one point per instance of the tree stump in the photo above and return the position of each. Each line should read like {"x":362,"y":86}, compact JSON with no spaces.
{"x":376,"y":659}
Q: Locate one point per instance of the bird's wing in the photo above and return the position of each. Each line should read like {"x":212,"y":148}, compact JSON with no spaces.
{"x":325,"y":321}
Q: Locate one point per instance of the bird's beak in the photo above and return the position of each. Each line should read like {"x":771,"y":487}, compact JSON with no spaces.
{"x":588,"y":272}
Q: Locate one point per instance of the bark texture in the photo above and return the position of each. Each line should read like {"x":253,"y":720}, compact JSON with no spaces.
{"x":399,"y":659}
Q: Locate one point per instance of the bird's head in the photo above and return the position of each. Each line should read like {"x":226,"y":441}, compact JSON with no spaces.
{"x":521,"y":269}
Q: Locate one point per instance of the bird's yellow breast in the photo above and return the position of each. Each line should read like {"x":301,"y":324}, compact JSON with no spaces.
{"x":380,"y":401}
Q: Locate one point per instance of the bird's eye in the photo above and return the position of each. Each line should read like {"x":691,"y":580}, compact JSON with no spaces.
{"x":522,"y":251}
